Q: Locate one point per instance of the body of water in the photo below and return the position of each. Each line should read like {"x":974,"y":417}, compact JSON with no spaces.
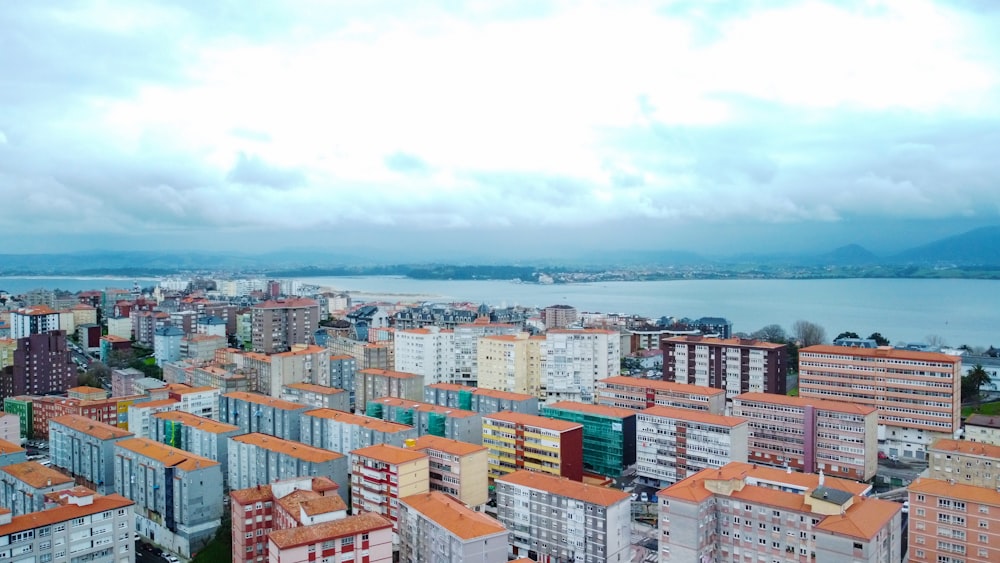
{"x":21,"y":285}
{"x":959,"y":311}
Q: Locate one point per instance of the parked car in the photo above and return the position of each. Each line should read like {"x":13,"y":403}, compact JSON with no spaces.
{"x":644,"y":497}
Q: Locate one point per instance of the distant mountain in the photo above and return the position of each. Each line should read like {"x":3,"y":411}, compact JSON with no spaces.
{"x":978,"y":247}
{"x":849,"y":255}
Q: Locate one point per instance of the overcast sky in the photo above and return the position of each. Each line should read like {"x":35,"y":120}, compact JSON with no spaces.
{"x":502,"y":128}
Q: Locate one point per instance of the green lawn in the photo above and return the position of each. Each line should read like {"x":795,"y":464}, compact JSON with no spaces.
{"x":985,"y":408}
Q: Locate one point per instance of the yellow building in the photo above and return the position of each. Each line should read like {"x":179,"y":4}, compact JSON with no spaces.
{"x":523,"y":441}
{"x":7,"y":348}
{"x":457,"y":468}
{"x":511,"y":362}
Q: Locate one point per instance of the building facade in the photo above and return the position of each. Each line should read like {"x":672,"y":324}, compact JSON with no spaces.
{"x":608,"y":435}
{"x":381,"y":475}
{"x":374,"y":384}
{"x":259,"y":459}
{"x":435,"y":527}
{"x":279,"y":324}
{"x":195,"y":434}
{"x":362,"y":538}
{"x":735,"y":365}
{"x":344,"y":432}
{"x":429,"y":352}
{"x":42,"y":366}
{"x":317,"y":396}
{"x":253,"y":412}
{"x":516,"y":441}
{"x":483,"y":401}
{"x":511,"y":362}
{"x":575,"y":360}
{"x":640,"y":394}
{"x":457,"y":468}
{"x":85,"y":448}
{"x":953,"y":522}
{"x":427,"y":418}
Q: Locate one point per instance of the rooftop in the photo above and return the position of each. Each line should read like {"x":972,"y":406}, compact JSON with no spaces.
{"x":317,"y":533}
{"x":314,"y":388}
{"x":446,"y":445}
{"x":738,"y":342}
{"x":155,"y":404}
{"x":689,"y":415}
{"x":965,"y":447}
{"x":288,"y":303}
{"x":452,"y":515}
{"x":259,"y":399}
{"x":35,"y":474}
{"x":9,"y":447}
{"x":984,"y":420}
{"x":589,"y":408}
{"x":801,"y":402}
{"x":167,"y":455}
{"x":389,"y":373}
{"x":195,"y":421}
{"x":358,"y":420}
{"x":882,"y":352}
{"x":91,"y":427}
{"x":602,"y":496}
{"x":959,"y":491}
{"x":425,"y":407}
{"x":532,"y":420}
{"x":390,"y":454}
{"x":63,"y":513}
{"x":667,"y":386}
{"x":290,"y":448}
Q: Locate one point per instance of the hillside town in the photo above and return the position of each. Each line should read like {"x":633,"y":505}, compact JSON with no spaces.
{"x":264,"y":420}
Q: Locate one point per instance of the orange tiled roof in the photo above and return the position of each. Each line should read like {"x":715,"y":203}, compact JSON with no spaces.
{"x":693,"y":488}
{"x":937,"y":487}
{"x":259,"y":399}
{"x":289,"y":303}
{"x":167,"y":455}
{"x":894,"y":353}
{"x":260,"y":493}
{"x":317,"y":533}
{"x":580,"y":331}
{"x":35,"y":474}
{"x":532,"y":420}
{"x":291,"y":448}
{"x":314,"y":388}
{"x":9,"y":447}
{"x":358,"y":420}
{"x":452,"y":515}
{"x":861,"y":520}
{"x":966,"y":447}
{"x":195,"y":421}
{"x":802,"y":402}
{"x":390,"y":454}
{"x":657,"y":385}
{"x":389,"y":373}
{"x":739,"y":342}
{"x":446,"y":445}
{"x":91,"y":427}
{"x":601,"y":410}
{"x":187,"y":389}
{"x":603,"y":496}
{"x":322,"y":505}
{"x":689,"y":415}
{"x":84,"y":389}
{"x":63,"y":513}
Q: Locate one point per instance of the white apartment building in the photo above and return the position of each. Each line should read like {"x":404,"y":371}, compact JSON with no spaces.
{"x":575,"y":360}
{"x":429,"y":352}
{"x":467,"y":338}
{"x":77,"y":525}
{"x":436,"y":527}
{"x":673,"y":444}
{"x":199,"y":401}
{"x":33,"y":320}
{"x":564,"y":520}
{"x":140,"y":414}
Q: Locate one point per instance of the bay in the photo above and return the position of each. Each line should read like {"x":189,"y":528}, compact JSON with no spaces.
{"x":17,"y":285}
{"x":902,"y":310}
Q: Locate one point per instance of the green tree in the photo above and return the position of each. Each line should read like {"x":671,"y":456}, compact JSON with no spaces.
{"x":973,"y":381}
{"x":879,"y":339}
{"x":771,"y":333}
{"x":847,"y":335}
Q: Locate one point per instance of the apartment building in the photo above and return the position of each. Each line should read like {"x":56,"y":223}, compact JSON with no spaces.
{"x":84,"y":449}
{"x":279,"y":324}
{"x":968,"y":463}
{"x":11,"y":453}
{"x":202,"y":347}
{"x":7,"y":347}
{"x":76,"y":525}
{"x":316,"y":396}
{"x":167,"y":344}
{"x":608,"y":434}
{"x":673,"y":444}
{"x":557,"y":519}
{"x":983,"y":428}
{"x":381,"y":475}
{"x":427,"y":418}
{"x":811,"y":435}
{"x":269,"y":372}
{"x":753,"y":513}
{"x":123,"y":381}
{"x":640,"y":394}
{"x":518,"y":441}
{"x":917,"y":394}
{"x":46,"y":408}
{"x":457,"y":468}
{"x":140,"y":414}
{"x":253,"y":513}
{"x":253,"y":412}
{"x":372,"y":384}
{"x":178,"y":495}
{"x":735,"y":365}
{"x":23,"y":408}
{"x":483,"y":401}
{"x":511,"y":362}
{"x":344,"y":432}
{"x":195,"y":434}
{"x":575,"y":360}
{"x":558,"y":316}
{"x":466,"y":345}
{"x":436,"y":527}
{"x":952,"y":522}
{"x":201,"y":401}
{"x":38,"y":319}
{"x":23,"y":486}
{"x":429,"y":352}
{"x":363,"y":538}
{"x":369,"y":355}
{"x":343,"y":371}
{"x":42,"y":366}
{"x":259,"y":459}
{"x":225,"y":380}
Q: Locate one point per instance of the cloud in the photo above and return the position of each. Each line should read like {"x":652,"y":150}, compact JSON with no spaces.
{"x":432,"y":117}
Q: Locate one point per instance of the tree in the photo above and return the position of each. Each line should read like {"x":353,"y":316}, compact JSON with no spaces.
{"x":879,"y":339}
{"x":846,"y":335}
{"x":934,"y":341}
{"x":98,"y":372}
{"x":975,"y":380}
{"x":808,"y":333}
{"x":771,"y":333}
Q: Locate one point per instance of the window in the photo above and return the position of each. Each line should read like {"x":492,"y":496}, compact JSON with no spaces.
{"x":347,"y":541}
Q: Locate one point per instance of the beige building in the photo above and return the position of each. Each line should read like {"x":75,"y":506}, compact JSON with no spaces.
{"x":981,"y":428}
{"x":744,"y":512}
{"x":456,"y":468}
{"x":310,"y":364}
{"x":7,"y":347}
{"x":84,"y":314}
{"x":917,"y":394}
{"x":640,"y":394}
{"x":968,"y":463}
{"x":382,"y":474}
{"x":510,"y":362}
{"x":373,"y":384}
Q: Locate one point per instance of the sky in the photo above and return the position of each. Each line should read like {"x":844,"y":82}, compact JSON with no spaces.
{"x":497,"y":129}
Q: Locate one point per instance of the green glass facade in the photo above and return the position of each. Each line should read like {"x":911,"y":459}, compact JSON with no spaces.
{"x":23,"y":409}
{"x":608,"y":441}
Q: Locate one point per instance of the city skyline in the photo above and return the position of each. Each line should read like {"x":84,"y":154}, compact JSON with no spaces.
{"x":481,"y":131}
